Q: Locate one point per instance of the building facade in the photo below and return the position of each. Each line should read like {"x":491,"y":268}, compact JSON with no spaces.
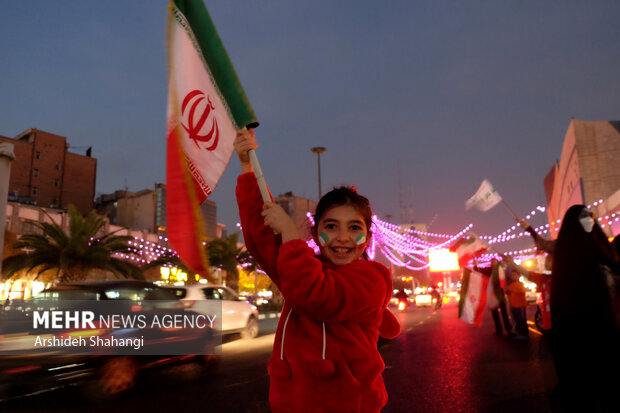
{"x":587,"y":173}
{"x":145,"y":210}
{"x":297,"y":208}
{"x":46,"y":174}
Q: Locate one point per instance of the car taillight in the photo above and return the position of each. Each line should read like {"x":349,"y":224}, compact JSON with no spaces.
{"x":401,"y":305}
{"x":17,"y":370}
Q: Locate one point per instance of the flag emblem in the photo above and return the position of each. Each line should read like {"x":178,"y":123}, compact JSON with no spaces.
{"x":194,"y":126}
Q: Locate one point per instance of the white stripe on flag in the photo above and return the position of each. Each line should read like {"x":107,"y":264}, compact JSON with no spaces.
{"x":475,"y":301}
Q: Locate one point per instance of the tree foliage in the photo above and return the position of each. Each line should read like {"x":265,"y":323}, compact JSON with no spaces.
{"x":224,"y":254}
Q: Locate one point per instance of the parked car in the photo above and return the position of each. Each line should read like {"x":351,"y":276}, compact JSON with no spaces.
{"x":238,"y":315}
{"x":100,"y":375}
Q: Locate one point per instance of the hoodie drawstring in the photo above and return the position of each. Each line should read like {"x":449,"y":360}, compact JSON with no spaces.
{"x":284,"y":333}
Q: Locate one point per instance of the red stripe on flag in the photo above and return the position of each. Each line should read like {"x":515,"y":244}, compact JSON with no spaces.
{"x":482,"y":302}
{"x":185,"y":225}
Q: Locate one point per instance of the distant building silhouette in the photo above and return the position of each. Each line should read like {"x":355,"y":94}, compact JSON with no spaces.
{"x":145,"y":210}
{"x":297,"y":208}
{"x":46,"y":174}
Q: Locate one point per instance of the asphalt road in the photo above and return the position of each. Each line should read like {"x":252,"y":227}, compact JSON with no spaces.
{"x":437,"y":364}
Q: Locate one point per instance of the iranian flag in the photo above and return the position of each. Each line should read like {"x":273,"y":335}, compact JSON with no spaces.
{"x":206,"y":106}
{"x":473,"y":296}
{"x":468,"y":247}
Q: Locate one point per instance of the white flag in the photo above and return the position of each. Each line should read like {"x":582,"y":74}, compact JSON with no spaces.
{"x":485,"y":198}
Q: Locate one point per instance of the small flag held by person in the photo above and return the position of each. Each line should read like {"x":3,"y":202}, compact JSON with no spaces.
{"x":500,"y":273}
{"x":206,"y":106}
{"x":473,"y":299}
{"x":468,"y":247}
{"x":485,"y":198}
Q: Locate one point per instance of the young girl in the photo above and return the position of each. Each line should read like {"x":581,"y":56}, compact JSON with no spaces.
{"x":325,"y":356}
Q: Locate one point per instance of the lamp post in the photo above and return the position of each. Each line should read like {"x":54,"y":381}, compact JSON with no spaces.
{"x":319,"y":150}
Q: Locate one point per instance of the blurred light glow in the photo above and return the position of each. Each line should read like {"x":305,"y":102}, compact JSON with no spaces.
{"x":443,"y":260}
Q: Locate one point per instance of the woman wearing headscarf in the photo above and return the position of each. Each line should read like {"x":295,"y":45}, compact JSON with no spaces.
{"x":584,"y":334}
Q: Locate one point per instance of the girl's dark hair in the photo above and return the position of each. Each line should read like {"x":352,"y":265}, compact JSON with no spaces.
{"x":344,"y":195}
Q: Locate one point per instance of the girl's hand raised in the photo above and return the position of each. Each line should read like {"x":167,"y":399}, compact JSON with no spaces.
{"x":277,"y":219}
{"x":245,"y":141}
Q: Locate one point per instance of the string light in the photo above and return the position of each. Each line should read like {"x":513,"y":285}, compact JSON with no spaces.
{"x":403,"y":246}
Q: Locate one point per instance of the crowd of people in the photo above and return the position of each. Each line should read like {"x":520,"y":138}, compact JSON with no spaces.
{"x":583,"y":270}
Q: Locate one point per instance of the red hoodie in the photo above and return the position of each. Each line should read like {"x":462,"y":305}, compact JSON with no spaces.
{"x":325,"y":356}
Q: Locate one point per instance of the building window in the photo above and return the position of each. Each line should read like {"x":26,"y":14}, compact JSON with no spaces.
{"x":56,"y":183}
{"x":35,"y":172}
{"x":37,"y":154}
{"x":35,"y":190}
{"x":58,"y":166}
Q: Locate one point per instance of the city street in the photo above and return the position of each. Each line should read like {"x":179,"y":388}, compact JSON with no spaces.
{"x":145,"y":253}
{"x":438,"y":364}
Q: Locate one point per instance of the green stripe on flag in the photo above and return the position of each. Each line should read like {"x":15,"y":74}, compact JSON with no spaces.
{"x":219,"y":63}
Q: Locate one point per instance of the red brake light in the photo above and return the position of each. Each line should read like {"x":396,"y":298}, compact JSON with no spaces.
{"x":23,"y":369}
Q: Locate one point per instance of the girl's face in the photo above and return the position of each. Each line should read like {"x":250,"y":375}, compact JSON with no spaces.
{"x":341,"y":235}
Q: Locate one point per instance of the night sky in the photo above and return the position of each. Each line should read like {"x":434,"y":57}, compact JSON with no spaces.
{"x":416,"y":101}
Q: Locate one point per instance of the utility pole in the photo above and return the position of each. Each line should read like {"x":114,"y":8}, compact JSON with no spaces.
{"x":319,"y":150}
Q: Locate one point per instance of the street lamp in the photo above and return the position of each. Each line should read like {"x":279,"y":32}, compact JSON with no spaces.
{"x":319,"y":150}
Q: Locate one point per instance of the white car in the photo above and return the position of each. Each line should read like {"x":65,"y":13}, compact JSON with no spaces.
{"x":423,"y":300}
{"x":238,"y":316}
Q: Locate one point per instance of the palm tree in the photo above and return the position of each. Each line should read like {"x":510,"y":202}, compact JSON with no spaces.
{"x":72,"y":255}
{"x":224,"y":254}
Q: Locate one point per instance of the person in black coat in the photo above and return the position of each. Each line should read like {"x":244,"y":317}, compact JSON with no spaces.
{"x":584,"y":341}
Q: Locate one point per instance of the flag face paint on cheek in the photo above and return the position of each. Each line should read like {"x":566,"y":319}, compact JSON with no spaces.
{"x":323,"y":238}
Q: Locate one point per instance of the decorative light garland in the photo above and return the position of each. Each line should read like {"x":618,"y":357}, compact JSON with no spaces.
{"x":403,"y":246}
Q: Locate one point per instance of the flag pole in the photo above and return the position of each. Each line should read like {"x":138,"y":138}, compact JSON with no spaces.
{"x":509,"y":209}
{"x":258,"y":173}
